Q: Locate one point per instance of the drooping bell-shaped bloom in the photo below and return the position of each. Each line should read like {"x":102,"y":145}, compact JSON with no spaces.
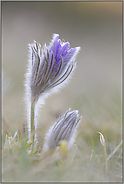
{"x":63,"y":130}
{"x":50,"y":66}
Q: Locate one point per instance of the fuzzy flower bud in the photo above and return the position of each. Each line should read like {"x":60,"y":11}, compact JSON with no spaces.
{"x":50,"y":66}
{"x":63,"y":130}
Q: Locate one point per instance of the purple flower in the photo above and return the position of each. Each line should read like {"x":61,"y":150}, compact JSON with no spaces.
{"x":63,"y":129}
{"x":49,"y":67}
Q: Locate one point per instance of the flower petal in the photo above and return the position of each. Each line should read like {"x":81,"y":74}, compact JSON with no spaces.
{"x":49,"y":66}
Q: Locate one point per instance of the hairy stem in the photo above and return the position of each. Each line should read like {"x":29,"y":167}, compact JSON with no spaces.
{"x":32,"y":124}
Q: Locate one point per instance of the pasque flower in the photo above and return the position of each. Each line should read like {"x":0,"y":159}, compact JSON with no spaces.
{"x":63,"y":129}
{"x":48,"y":69}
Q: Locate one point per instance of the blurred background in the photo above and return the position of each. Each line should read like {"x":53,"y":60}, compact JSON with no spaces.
{"x":95,"y":88}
